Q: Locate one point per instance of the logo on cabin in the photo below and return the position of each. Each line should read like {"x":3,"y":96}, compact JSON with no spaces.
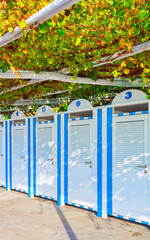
{"x":78,"y":103}
{"x":43,"y":109}
{"x":17,"y":114}
{"x":128,"y":95}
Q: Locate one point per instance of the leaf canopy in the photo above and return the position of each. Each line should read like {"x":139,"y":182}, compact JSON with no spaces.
{"x":74,"y":39}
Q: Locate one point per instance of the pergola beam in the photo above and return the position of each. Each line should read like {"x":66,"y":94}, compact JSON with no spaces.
{"x":26,"y":102}
{"x":44,"y":76}
{"x":40,"y":17}
{"x":122,"y":54}
{"x":143,"y":47}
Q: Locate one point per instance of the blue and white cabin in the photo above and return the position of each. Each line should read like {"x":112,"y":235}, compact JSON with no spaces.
{"x":93,"y":158}
{"x":80,"y":155}
{"x":128,"y":183}
{"x":19,"y":161}
{"x":45,"y":153}
{"x":2,"y":153}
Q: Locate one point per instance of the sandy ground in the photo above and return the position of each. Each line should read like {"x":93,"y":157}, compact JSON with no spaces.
{"x":23,"y":218}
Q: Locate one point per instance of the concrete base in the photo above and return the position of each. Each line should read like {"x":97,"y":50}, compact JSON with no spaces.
{"x":23,"y":218}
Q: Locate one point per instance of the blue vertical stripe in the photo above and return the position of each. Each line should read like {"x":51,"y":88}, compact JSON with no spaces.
{"x":109,"y":161}
{"x":29,"y":157}
{"x":34,"y":156}
{"x":66,"y":158}
{"x":10,"y":153}
{"x":6,"y":154}
{"x":59,"y":159}
{"x":99,"y":162}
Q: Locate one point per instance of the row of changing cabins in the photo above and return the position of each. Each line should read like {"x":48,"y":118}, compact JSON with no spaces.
{"x":93,"y":158}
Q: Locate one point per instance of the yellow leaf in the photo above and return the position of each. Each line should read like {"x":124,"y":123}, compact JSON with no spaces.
{"x":25,"y":51}
{"x":22,"y":23}
{"x":77,"y":41}
{"x":13,"y":69}
{"x":145,"y":80}
{"x":126,"y":71}
{"x":142,"y":65}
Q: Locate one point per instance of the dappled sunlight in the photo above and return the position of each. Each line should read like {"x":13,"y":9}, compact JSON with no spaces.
{"x":94,"y":179}
{"x":46,"y":173}
{"x":130,"y":181}
{"x":19,"y":160}
{"x":80,"y":164}
{"x":47,"y":180}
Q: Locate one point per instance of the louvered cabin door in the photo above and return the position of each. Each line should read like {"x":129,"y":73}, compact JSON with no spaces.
{"x":130,"y":166}
{"x":2,"y":159}
{"x":46,"y":166}
{"x":80,"y":164}
{"x":19,"y":159}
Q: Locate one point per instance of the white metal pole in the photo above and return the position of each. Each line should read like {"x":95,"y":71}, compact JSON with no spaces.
{"x":41,"y":16}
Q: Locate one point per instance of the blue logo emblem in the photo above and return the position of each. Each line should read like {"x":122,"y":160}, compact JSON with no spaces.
{"x":128,"y":95}
{"x":17,"y":114}
{"x":43,"y":109}
{"x":78,"y":103}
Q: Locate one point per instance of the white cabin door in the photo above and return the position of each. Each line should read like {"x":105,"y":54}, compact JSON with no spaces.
{"x":80,"y":165}
{"x":130,"y":167}
{"x":19,"y":161}
{"x":46,"y":166}
{"x":2,"y":159}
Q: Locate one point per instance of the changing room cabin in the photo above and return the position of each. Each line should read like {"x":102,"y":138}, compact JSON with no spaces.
{"x":45,"y":153}
{"x":19,"y":136}
{"x":34,"y":153}
{"x":93,"y":158}
{"x":128,"y":154}
{"x":80,"y":155}
{"x":106,"y":157}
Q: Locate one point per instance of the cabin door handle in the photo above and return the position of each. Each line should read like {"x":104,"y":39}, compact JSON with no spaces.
{"x":88,"y":162}
{"x":142,"y":166}
{"x":51,"y":159}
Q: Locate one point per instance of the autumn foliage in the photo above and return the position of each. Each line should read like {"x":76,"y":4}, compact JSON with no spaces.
{"x":73,"y":39}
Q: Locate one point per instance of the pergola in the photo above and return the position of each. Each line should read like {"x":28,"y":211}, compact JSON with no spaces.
{"x":64,"y":74}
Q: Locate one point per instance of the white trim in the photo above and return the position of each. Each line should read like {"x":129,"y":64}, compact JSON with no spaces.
{"x":94,"y":156}
{"x":62,"y":161}
{"x":104,"y":163}
{"x":8,"y":151}
{"x":31,"y":163}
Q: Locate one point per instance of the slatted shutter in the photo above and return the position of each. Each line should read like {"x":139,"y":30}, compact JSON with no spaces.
{"x":80,"y":143}
{"x":45,"y":142}
{"x":129,"y":143}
